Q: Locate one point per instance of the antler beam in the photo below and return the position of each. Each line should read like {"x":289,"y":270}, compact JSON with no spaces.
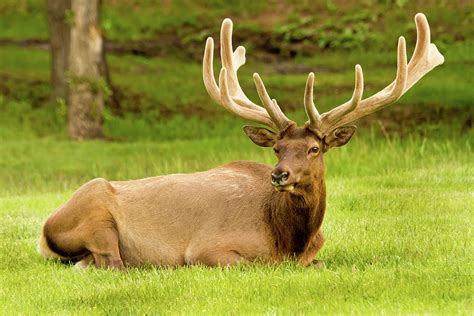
{"x":230,"y":95}
{"x":425,"y":57}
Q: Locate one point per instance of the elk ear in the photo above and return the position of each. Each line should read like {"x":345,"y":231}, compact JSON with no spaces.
{"x":261,"y":136}
{"x":339,"y":136}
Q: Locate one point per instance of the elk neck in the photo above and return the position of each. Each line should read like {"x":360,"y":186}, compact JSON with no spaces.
{"x":295,"y":219}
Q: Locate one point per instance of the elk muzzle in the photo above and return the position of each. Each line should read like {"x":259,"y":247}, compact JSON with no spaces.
{"x":280,"y":180}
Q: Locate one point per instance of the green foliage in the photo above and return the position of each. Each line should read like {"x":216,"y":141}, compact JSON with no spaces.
{"x":333,"y":24}
{"x":96,"y":84}
{"x":20,"y":120}
{"x":334,"y":33}
{"x":69,"y":17}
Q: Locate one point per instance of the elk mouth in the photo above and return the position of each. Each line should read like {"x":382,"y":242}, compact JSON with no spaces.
{"x":287,"y":187}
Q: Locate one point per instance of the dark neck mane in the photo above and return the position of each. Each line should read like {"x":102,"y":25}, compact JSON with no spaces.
{"x":295,"y":219}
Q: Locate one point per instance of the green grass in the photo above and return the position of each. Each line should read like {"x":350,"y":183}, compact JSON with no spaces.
{"x":398,"y":232}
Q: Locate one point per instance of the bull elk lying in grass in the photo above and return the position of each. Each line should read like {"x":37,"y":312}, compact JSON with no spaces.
{"x":239,"y":212}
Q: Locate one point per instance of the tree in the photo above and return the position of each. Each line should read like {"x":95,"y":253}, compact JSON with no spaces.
{"x":86,"y":85}
{"x":79,"y":71}
{"x":59,"y":31}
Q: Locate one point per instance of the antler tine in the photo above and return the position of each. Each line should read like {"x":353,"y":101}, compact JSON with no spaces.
{"x":208,"y":71}
{"x":423,"y":37}
{"x":222,"y":95}
{"x":231,"y":106}
{"x":232,"y":61}
{"x":228,"y":93}
{"x":310,"y":108}
{"x":331,"y":117}
{"x":270,"y":105}
{"x":402,"y":73}
{"x":227,"y":57}
{"x":425,"y":57}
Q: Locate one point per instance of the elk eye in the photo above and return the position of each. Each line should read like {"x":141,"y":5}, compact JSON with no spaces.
{"x":314,"y":150}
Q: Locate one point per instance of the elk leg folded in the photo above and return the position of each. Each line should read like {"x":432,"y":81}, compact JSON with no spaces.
{"x":318,"y":264}
{"x":215,"y":258}
{"x":104,"y":246}
{"x":313,"y":248}
{"x":108,"y":261}
{"x":100,"y":261}
{"x":85,"y":262}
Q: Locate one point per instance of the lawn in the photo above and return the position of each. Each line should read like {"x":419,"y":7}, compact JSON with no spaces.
{"x":398,"y":232}
{"x":399,"y":218}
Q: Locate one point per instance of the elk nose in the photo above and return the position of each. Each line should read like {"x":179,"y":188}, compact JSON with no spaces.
{"x":280,"y":178}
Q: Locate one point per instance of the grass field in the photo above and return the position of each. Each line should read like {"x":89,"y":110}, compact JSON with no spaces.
{"x":400,"y":194}
{"x":398,"y":232}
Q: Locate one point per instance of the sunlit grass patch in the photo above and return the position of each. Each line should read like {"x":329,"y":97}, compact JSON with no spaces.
{"x":393,"y":258}
{"x":398,"y":236}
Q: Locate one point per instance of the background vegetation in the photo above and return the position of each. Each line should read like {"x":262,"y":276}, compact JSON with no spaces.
{"x":400,"y":194}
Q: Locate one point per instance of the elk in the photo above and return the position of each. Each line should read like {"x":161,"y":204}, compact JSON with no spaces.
{"x":242,"y":211}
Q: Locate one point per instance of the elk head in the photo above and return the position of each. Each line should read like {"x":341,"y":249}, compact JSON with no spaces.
{"x":300,"y":149}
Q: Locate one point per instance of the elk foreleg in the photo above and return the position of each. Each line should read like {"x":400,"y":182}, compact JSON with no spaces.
{"x":85,"y":262}
{"x":104,"y":246}
{"x":99,"y":261}
{"x":308,"y":257}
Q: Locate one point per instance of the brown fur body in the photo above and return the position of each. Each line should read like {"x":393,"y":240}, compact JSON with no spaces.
{"x":229,"y":214}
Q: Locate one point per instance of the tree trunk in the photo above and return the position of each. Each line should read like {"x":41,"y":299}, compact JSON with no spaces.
{"x":113,"y":100}
{"x":59,"y":31}
{"x":86,"y":85}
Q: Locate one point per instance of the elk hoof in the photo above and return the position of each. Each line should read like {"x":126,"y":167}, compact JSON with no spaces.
{"x":318,"y":264}
{"x":84,"y":263}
